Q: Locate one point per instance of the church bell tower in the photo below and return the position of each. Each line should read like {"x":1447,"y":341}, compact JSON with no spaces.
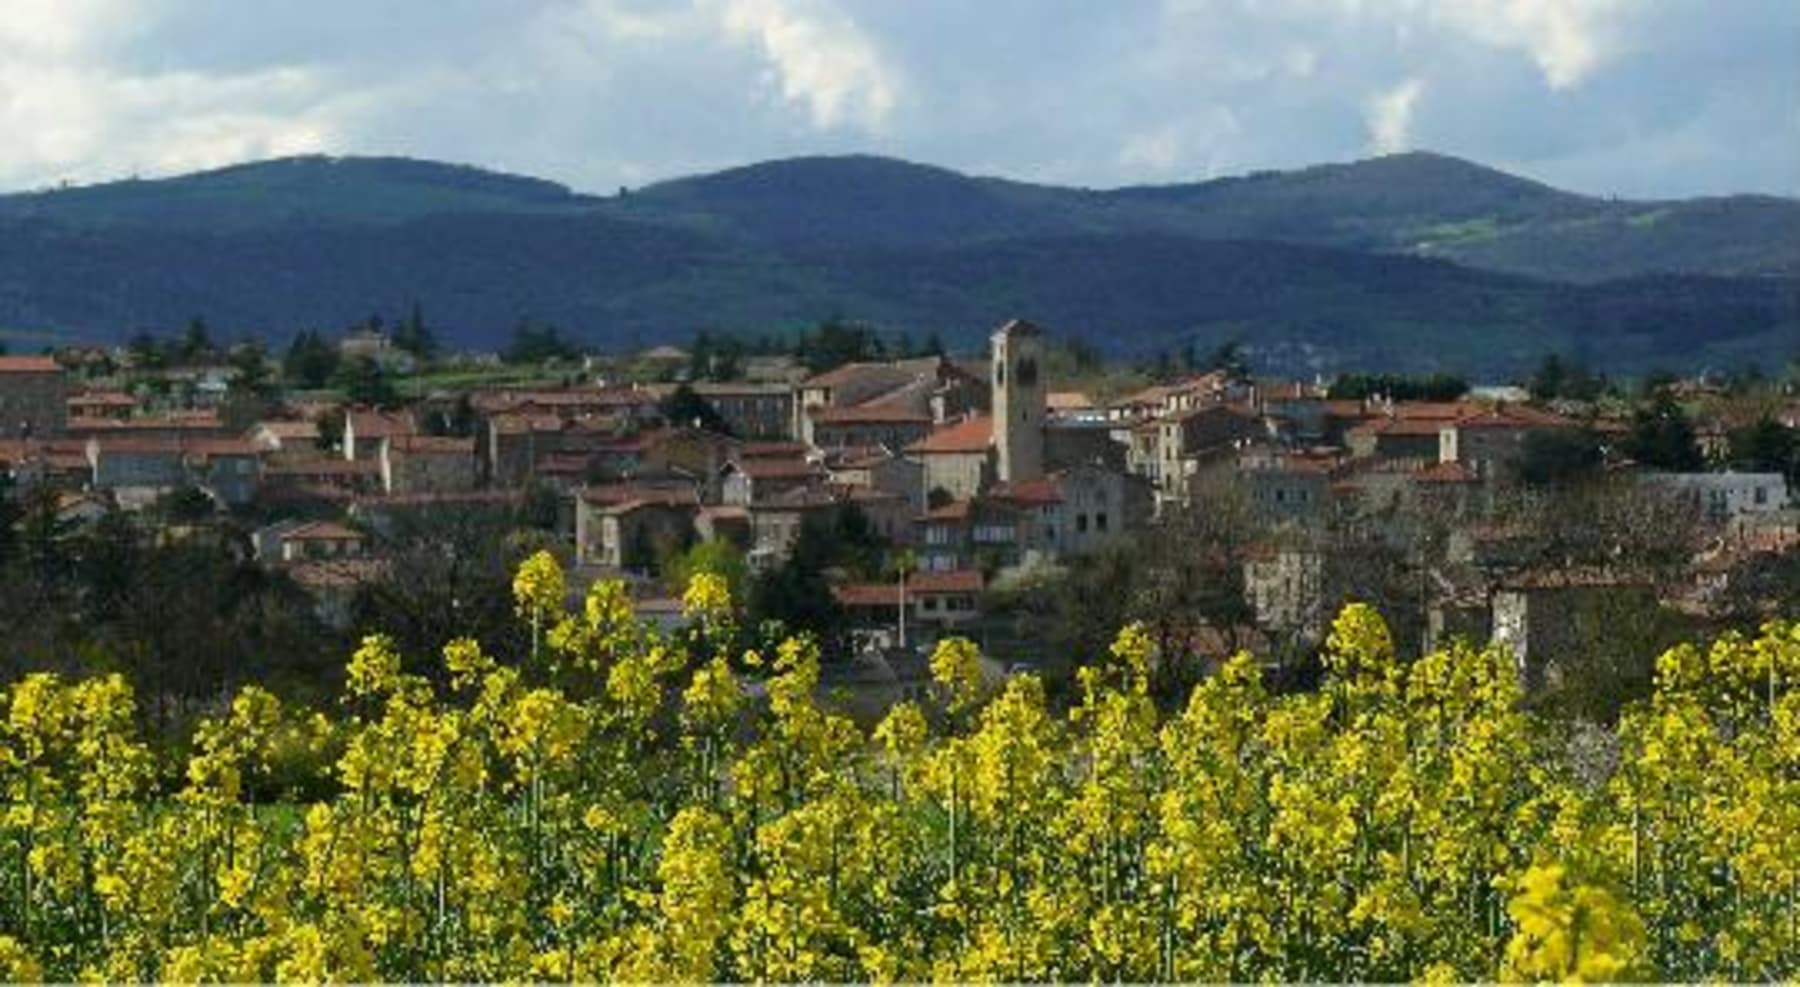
{"x":1018,"y":402}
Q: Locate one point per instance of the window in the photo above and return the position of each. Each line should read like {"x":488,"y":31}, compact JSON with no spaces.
{"x":1762,"y":495}
{"x":930,"y":604}
{"x":1081,"y":523}
{"x":1100,"y":521}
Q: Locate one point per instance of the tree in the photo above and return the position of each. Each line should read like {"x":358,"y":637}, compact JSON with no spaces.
{"x":715,"y":356}
{"x":798,"y":593}
{"x":835,"y":343}
{"x":196,"y":342}
{"x":685,"y":407}
{"x":147,"y":352}
{"x":1766,"y":447}
{"x":364,"y":382}
{"x":10,"y":513}
{"x":414,"y":336}
{"x":717,"y":556}
{"x":1228,"y":357}
{"x":1559,"y":378}
{"x":1399,"y":387}
{"x":1661,"y":437}
{"x":311,"y":361}
{"x":251,"y":363}
{"x":532,"y":343}
{"x":1553,"y":456}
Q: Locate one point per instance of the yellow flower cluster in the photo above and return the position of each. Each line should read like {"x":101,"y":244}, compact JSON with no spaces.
{"x":631,"y":809}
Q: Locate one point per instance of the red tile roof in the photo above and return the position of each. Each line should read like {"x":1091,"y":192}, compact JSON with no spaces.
{"x":972,"y":434}
{"x":28,"y":365}
{"x":918,"y":584}
{"x":778,"y":449}
{"x":1042,"y":490}
{"x":956,"y":510}
{"x":440,"y":445}
{"x":377,"y":424}
{"x":871,"y":413}
{"x":776,"y":469}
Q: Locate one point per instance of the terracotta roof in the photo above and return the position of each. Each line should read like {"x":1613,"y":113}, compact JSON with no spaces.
{"x":184,"y":422}
{"x":878,"y":413}
{"x":885,"y":374}
{"x":1286,"y":390}
{"x":781,"y":449}
{"x":924,"y":583}
{"x":1436,"y":410}
{"x":432,"y":444}
{"x":378,"y":424}
{"x":1299,"y":464}
{"x":867,"y":594}
{"x":1041,"y":490}
{"x":563,"y":464}
{"x":775,"y":469}
{"x":972,"y":434}
{"x":956,"y":510}
{"x":28,"y":365}
{"x":173,"y":446}
{"x":1513,"y":416}
{"x":1401,"y":427}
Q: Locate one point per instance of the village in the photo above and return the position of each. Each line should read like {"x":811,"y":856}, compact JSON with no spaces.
{"x":972,"y":477}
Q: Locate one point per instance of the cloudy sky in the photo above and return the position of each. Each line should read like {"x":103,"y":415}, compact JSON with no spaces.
{"x":1627,"y":97}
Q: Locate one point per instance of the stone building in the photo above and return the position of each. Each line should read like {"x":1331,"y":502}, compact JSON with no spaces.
{"x":33,"y":397}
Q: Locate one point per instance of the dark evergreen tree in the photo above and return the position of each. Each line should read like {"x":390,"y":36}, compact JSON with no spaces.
{"x":1661,"y":437}
{"x":684,"y":407}
{"x":311,"y":361}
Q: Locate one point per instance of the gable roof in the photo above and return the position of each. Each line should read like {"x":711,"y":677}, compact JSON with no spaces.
{"x":972,"y":434}
{"x":28,"y":365}
{"x":379,"y":424}
{"x":880,"y":414}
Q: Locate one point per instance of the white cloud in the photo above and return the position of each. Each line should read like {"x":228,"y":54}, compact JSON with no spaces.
{"x":1667,"y":98}
{"x":1389,"y":114}
{"x":1568,"y":39}
{"x":820,"y":59}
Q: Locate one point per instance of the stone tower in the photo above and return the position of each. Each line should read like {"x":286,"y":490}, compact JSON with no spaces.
{"x":1018,"y":402}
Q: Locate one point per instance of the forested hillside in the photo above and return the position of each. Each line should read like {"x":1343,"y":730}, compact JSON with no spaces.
{"x":1339,"y":266}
